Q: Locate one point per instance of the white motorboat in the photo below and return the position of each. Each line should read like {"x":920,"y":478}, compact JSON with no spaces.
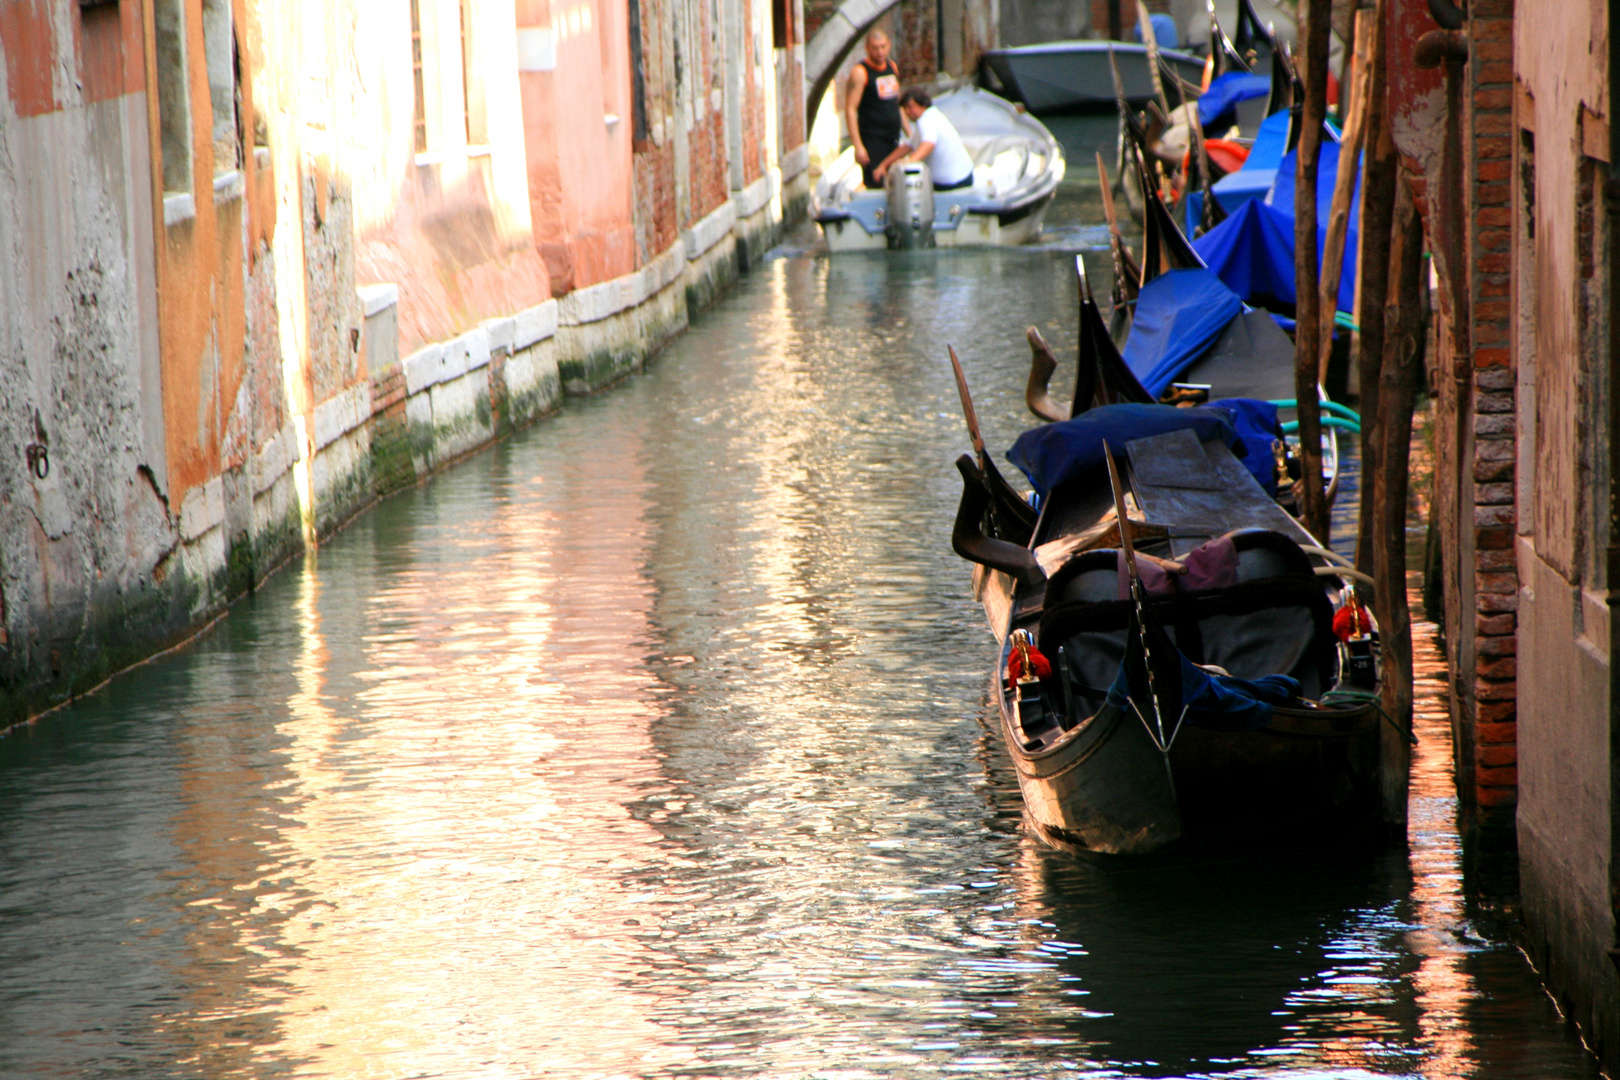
{"x":1016,"y":168}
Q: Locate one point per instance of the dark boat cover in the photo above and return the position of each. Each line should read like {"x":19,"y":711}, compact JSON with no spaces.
{"x":1217,"y":106}
{"x":1178,"y":315}
{"x":1054,"y":453}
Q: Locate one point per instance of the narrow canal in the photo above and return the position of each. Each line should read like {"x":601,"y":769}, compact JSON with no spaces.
{"x":650,"y":744}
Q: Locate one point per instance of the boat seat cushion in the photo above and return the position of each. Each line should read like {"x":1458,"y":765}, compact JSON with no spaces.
{"x":1277,"y":620}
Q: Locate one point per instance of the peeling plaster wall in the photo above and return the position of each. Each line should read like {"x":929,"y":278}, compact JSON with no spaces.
{"x":1566,"y":778}
{"x":78,"y":360}
{"x":230,"y":359}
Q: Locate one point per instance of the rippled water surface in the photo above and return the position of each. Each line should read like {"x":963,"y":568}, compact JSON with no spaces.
{"x":649,"y":744}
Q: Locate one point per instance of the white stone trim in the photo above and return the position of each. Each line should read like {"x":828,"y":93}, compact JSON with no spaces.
{"x":342,"y":413}
{"x":470,"y":352}
{"x":709,"y":230}
{"x":273,"y":460}
{"x":375,"y":298}
{"x":422,"y":368}
{"x":608,"y":298}
{"x":227,"y":186}
{"x":500,"y":331}
{"x":758,"y":195}
{"x":533,"y":325}
{"x":202,"y":509}
{"x":178,"y":206}
{"x":795,"y":161}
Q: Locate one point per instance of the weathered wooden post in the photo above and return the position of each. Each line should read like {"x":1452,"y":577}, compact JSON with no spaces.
{"x":1372,"y":270}
{"x":1400,"y":374}
{"x":1344,"y":189}
{"x":1307,"y":341}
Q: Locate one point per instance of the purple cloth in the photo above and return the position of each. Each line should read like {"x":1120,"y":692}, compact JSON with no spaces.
{"x":1209,"y":566}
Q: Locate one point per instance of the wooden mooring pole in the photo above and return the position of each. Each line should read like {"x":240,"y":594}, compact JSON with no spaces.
{"x":1308,"y":320}
{"x":1373,"y":270}
{"x":1400,"y":375}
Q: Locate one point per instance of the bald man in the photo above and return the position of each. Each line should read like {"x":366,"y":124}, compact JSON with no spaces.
{"x":872,"y":106}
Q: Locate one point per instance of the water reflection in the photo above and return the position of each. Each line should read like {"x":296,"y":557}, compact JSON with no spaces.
{"x":651,"y":744}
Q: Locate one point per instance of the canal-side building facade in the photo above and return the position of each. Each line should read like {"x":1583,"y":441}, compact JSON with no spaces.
{"x":270,"y":261}
{"x":1523,"y":383}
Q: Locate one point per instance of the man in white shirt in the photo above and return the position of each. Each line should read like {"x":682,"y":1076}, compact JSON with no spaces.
{"x":933,"y":140}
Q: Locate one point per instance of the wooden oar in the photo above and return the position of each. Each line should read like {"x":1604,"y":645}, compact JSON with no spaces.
{"x":1126,"y":274}
{"x":968,"y":413}
{"x":1013,"y":518}
{"x":1144,"y":19}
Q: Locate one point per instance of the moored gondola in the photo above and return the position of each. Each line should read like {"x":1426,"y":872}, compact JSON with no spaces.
{"x":1176,"y":654}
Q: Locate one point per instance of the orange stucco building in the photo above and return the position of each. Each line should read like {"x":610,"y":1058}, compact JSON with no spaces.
{"x":276,"y":260}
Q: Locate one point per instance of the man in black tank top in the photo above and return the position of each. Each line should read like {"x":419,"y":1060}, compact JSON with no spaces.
{"x":872,"y":106}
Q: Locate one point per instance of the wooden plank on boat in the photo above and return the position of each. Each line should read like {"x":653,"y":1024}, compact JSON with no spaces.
{"x":1174,"y":460}
{"x":1238,"y":502}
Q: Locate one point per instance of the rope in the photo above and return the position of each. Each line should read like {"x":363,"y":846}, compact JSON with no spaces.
{"x":1366,"y":697}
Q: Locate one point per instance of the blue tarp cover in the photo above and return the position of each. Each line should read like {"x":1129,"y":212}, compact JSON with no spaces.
{"x":1219,"y":103}
{"x":1164,"y":31}
{"x":1178,"y":314}
{"x":1053,"y":453}
{"x":1252,"y":181}
{"x":1257,"y":428}
{"x":1253,"y":250}
{"x":1219,"y":702}
{"x":1270,"y":142}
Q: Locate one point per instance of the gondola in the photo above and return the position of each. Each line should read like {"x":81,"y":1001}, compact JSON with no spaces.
{"x":1177,"y":656}
{"x":1189,"y":336}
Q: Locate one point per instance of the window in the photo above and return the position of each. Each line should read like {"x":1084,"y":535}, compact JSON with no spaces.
{"x":472,"y":79}
{"x":224,"y":83}
{"x":174,"y":103}
{"x":782,"y":23}
{"x":638,"y":77}
{"x":416,"y":73}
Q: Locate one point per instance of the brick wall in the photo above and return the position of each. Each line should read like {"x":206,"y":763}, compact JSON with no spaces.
{"x":1492,"y":765}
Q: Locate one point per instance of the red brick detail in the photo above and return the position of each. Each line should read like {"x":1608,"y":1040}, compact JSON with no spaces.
{"x":1496,"y":732}
{"x":1494,"y":757}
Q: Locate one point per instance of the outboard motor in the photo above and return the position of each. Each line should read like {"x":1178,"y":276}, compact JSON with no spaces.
{"x":910,"y":188}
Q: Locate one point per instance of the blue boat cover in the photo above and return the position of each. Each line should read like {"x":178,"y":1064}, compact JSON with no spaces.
{"x":1219,"y":103}
{"x":1220,"y":702}
{"x":1281,"y":198}
{"x":1253,"y":253}
{"x":1257,"y":429}
{"x":1270,"y":142}
{"x":1253,"y":250}
{"x":1258,"y":174}
{"x":1053,"y":453}
{"x":1178,"y":315}
{"x":1164,"y":31}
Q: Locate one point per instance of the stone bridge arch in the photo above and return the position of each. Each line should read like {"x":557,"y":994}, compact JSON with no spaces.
{"x":832,"y":42}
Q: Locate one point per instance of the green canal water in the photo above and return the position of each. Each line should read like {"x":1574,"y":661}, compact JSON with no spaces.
{"x":651,"y":743}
